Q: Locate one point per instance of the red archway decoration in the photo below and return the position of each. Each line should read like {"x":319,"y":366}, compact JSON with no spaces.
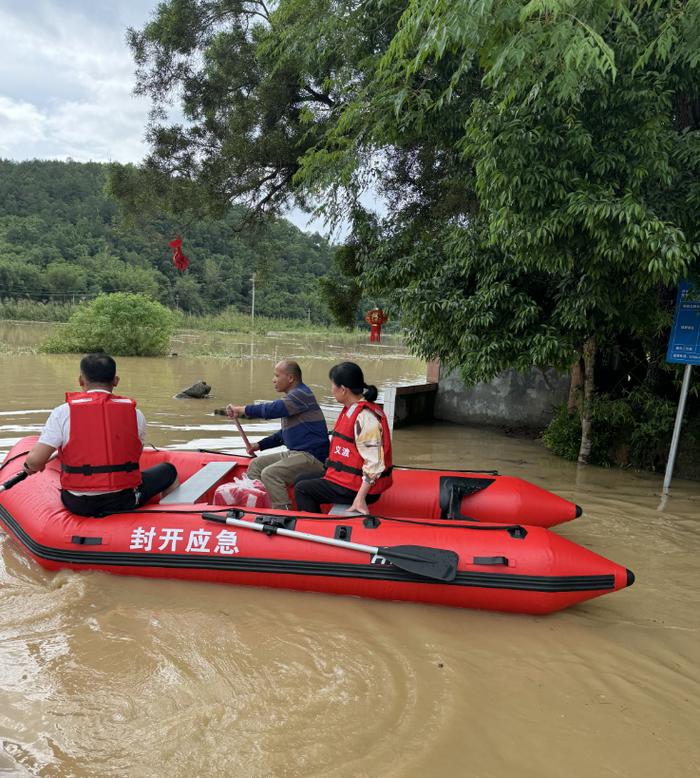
{"x":180,"y":261}
{"x":375,"y":318}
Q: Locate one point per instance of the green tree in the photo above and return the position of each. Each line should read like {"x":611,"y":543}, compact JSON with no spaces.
{"x":188,"y":295}
{"x":540,"y":161}
{"x":65,"y":279}
{"x":341,"y":291}
{"x":583,"y":144}
{"x":18,"y":279}
{"x":261,"y":86}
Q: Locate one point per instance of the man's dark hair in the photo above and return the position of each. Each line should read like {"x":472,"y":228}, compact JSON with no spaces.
{"x":291,"y":368}
{"x":98,"y":368}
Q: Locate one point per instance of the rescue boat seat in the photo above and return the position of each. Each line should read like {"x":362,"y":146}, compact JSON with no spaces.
{"x":341,"y":510}
{"x":198,"y":484}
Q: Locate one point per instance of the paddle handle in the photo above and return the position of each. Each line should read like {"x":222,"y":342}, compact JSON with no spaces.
{"x":243,"y":435}
{"x":292,"y":533}
{"x":14,"y":480}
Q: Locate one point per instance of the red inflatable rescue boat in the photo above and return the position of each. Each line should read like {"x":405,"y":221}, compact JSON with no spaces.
{"x":510,"y":566}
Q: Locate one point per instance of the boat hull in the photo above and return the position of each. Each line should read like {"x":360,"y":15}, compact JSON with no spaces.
{"x":512,"y":568}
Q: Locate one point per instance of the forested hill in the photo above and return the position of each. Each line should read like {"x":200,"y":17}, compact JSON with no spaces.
{"x":61,"y":238}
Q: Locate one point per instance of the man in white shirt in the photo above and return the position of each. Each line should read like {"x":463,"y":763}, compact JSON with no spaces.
{"x":99,"y":437}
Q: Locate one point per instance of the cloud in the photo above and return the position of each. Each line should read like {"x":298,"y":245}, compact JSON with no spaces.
{"x":67,"y":77}
{"x":20,"y":123}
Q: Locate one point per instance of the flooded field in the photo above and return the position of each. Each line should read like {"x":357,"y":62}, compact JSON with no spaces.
{"x":111,"y":676}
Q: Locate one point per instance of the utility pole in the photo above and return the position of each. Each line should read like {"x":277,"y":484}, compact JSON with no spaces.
{"x":252,"y":304}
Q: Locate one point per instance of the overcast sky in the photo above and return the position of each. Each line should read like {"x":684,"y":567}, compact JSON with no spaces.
{"x":67,"y":79}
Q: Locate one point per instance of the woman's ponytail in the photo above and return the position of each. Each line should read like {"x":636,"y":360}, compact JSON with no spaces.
{"x":370,"y":393}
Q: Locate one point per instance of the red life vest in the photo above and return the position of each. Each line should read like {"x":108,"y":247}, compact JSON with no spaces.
{"x":344,"y":463}
{"x":103,"y":449}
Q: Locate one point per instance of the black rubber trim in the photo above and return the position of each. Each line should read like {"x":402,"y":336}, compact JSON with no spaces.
{"x":579,"y":511}
{"x":630,"y":577}
{"x":365,"y":572}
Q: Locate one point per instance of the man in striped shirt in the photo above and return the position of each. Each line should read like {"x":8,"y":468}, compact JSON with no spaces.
{"x":304,"y":433}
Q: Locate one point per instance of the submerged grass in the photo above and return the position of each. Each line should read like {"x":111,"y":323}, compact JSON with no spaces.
{"x":227,"y":320}
{"x":31,"y":310}
{"x":231,"y":320}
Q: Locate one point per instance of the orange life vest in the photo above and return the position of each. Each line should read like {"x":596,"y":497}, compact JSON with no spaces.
{"x":103,"y":449}
{"x":344,"y":463}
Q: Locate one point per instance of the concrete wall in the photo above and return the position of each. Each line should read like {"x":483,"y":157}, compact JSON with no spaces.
{"x":511,"y":399}
{"x":404,"y":405}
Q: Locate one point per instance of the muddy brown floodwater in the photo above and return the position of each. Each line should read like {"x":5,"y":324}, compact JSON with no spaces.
{"x":114,"y":676}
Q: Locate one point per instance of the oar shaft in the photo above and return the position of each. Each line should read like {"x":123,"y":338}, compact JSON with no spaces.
{"x":437,"y":563}
{"x":246,"y":442}
{"x":14,"y":480}
{"x":291,"y":533}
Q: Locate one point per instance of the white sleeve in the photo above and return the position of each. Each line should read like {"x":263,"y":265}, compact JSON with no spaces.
{"x":141,"y":424}
{"x":55,"y":432}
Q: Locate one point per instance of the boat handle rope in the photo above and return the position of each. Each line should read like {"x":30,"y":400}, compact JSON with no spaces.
{"x":370,"y":520}
{"x":12,"y":459}
{"x":516,"y":531}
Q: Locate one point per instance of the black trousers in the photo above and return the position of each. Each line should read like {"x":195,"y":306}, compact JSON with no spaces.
{"x":153,"y":480}
{"x":310,"y":492}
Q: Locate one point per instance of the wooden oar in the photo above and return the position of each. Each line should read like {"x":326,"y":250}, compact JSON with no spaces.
{"x":437,"y":563}
{"x":14,"y":480}
{"x":244,"y":436}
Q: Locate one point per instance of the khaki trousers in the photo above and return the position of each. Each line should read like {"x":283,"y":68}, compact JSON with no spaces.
{"x":278,"y":471}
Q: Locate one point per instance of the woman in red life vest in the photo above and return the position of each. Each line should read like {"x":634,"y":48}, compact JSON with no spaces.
{"x":359,"y":466}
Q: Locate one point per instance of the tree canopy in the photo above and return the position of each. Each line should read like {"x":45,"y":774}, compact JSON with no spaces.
{"x":539,"y":162}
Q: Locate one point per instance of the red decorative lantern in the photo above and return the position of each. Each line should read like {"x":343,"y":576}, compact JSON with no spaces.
{"x":375,"y":318}
{"x":180,"y":261}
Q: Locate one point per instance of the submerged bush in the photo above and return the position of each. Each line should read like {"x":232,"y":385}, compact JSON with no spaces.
{"x":563,"y":434}
{"x":632,"y":430}
{"x":122,"y":324}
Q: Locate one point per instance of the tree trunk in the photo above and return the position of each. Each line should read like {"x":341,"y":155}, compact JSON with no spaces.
{"x":576,"y":385}
{"x":589,"y":351}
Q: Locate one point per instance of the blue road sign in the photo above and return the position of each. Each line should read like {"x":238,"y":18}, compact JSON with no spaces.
{"x":684,"y":344}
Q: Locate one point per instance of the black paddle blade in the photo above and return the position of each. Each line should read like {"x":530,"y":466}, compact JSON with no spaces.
{"x":438,"y":563}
